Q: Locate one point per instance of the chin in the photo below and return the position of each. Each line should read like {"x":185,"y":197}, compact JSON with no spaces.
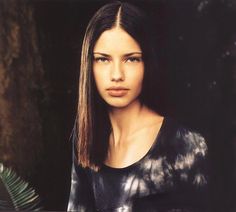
{"x":119,"y":103}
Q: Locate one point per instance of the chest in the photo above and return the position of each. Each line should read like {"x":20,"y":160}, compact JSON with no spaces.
{"x":132,"y":149}
{"x":114,"y":188}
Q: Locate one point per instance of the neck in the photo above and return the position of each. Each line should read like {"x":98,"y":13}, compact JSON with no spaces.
{"x":124,"y":121}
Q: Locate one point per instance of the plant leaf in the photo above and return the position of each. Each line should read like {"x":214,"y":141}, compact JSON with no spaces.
{"x":16,"y":193}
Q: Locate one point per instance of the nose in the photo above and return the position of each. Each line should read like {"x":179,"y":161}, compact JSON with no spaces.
{"x":117,"y":73}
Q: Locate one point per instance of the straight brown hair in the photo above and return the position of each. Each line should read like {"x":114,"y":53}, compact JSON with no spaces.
{"x":92,"y":124}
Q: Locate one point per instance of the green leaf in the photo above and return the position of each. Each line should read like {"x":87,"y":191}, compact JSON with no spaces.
{"x":15,"y":193}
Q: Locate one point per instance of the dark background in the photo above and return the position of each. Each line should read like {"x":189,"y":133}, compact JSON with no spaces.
{"x":196,"y":42}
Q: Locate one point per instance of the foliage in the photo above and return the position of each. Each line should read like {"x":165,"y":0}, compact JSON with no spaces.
{"x":15,"y":193}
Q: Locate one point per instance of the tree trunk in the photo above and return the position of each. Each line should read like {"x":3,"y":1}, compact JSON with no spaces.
{"x":21,"y":88}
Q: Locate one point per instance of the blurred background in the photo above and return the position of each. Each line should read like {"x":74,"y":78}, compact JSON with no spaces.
{"x":40,"y":43}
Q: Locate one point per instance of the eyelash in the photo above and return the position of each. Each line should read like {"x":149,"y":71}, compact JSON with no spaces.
{"x":131,"y":59}
{"x":134,"y":59}
{"x":101,"y":59}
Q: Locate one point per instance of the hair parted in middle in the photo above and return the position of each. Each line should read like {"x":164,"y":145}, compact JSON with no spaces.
{"x":93,"y":125}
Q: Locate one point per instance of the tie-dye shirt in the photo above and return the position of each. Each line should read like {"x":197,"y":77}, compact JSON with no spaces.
{"x":171,"y":177}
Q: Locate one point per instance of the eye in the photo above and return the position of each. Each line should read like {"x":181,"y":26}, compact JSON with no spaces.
{"x":134,"y":59}
{"x":101,"y":59}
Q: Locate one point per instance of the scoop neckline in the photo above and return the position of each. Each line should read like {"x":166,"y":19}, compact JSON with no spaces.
{"x":156,"y":142}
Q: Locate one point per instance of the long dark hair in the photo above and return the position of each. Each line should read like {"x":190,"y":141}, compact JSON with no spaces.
{"x":93,"y":125}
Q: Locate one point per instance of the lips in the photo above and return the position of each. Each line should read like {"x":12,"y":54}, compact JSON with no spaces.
{"x":117,"y":91}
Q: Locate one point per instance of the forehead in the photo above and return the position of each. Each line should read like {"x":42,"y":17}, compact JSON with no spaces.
{"x":116,"y":40}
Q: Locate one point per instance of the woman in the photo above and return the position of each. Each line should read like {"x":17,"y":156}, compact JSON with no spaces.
{"x":127,"y":156}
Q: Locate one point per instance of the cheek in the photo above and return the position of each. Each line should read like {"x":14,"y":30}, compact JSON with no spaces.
{"x":96,"y":79}
{"x":139,"y":82}
{"x":136,"y":78}
{"x":99,"y":79}
{"x":140,"y":77}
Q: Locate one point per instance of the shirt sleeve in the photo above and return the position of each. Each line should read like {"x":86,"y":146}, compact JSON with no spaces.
{"x":192,"y":168}
{"x":81,"y":197}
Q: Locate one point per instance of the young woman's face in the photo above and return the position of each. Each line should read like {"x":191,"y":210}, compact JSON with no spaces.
{"x":118,"y":67}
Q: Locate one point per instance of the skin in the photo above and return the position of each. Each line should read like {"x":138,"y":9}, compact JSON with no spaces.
{"x":118,"y":62}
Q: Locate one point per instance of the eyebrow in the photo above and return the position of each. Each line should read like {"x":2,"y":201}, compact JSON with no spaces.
{"x":126,"y":55}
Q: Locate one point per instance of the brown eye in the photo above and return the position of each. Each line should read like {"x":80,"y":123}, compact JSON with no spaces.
{"x":134,"y":59}
{"x":101,"y":59}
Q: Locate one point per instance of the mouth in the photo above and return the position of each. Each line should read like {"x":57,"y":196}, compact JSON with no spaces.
{"x":117,"y":91}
